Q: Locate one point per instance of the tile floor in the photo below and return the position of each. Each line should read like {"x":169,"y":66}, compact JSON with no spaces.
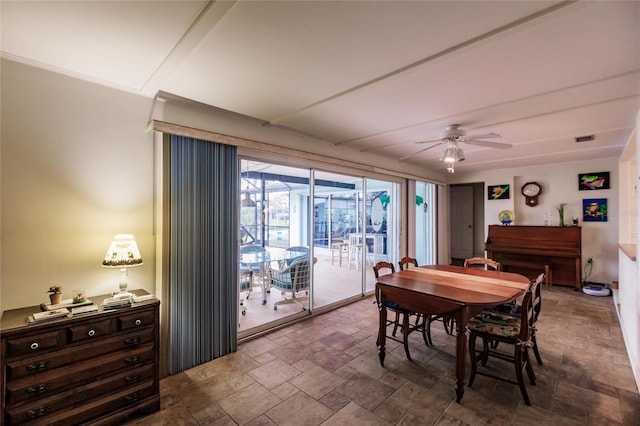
{"x":325,"y":371}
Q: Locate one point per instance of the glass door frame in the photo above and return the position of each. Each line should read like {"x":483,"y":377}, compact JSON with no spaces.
{"x":362,"y":179}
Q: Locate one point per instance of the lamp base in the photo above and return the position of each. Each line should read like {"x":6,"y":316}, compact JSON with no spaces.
{"x":123,"y":293}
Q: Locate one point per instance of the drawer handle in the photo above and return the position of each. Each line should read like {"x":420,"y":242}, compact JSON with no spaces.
{"x":38,"y":389}
{"x":133,"y":340}
{"x":38,"y":412}
{"x":132,"y":379}
{"x":133,"y":396}
{"x":91,"y":333}
{"x":35,"y":346}
{"x":137,"y":322}
{"x":132,"y":360}
{"x":39,"y":366}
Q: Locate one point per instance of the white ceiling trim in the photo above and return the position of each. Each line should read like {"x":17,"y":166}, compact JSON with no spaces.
{"x":512,"y":104}
{"x":211,"y":14}
{"x":454,"y":49}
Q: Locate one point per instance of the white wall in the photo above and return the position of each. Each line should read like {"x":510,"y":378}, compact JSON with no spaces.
{"x":560,"y":184}
{"x":76,"y":168}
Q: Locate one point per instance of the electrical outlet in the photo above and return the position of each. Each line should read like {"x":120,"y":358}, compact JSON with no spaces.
{"x":590,"y":260}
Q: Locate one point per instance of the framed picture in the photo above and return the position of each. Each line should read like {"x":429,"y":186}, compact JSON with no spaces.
{"x":593,"y":181}
{"x":594,"y":210}
{"x":498,"y":192}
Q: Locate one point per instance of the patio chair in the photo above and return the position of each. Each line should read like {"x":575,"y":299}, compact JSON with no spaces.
{"x":246,"y":284}
{"x":295,"y":249}
{"x":293,"y":279}
{"x":258,"y":268}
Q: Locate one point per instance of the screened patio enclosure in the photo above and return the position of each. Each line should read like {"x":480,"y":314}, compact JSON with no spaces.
{"x":345,"y":222}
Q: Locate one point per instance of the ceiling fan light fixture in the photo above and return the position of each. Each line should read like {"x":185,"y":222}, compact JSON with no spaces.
{"x":452,"y":154}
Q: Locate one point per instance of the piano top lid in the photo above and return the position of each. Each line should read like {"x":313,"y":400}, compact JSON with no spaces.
{"x":530,"y":235}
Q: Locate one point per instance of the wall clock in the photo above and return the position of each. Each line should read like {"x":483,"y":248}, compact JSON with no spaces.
{"x":531,"y":190}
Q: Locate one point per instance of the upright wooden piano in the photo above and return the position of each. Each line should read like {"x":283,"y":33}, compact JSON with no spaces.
{"x":529,"y":249}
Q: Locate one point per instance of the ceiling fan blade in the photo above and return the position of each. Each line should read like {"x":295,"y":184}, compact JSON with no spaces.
{"x":431,"y":141}
{"x":488,"y":144}
{"x":484,"y":136}
{"x":421,"y":151}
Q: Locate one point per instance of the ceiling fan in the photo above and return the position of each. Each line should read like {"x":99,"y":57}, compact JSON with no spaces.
{"x":453,"y":135}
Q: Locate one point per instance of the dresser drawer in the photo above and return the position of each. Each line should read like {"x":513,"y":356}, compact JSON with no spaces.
{"x":96,"y":368}
{"x":90,"y":391}
{"x":49,"y":416}
{"x":93,"y":330}
{"x":36,"y":343}
{"x":136,"y":321}
{"x":35,"y":365}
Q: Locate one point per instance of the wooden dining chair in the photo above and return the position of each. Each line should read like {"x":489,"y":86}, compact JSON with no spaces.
{"x":507,"y":330}
{"x":402,"y":316}
{"x":407,"y":262}
{"x":514,"y":308}
{"x":490,"y":264}
{"x":487,"y":263}
{"x":411,"y":262}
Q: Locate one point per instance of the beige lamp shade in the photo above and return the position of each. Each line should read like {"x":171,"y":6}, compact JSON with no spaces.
{"x":123,"y":252}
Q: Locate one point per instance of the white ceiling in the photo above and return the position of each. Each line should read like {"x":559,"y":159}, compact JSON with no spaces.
{"x":373,"y":75}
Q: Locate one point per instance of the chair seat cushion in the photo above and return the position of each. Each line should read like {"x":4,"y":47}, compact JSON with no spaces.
{"x":496,"y":323}
{"x":396,"y":307}
{"x":506,"y":308}
{"x":282,"y":285}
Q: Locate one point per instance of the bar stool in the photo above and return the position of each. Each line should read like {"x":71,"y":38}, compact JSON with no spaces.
{"x":339,"y":248}
{"x":355,"y":250}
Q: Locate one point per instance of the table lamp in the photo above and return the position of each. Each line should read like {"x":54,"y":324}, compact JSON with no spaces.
{"x":123,"y":253}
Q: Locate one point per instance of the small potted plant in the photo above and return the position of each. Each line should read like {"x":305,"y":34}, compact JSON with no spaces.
{"x":561,"y":213}
{"x":55,"y":294}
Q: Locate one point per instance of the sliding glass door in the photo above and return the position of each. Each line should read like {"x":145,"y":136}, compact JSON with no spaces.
{"x":338,"y":213}
{"x":342,"y":224}
{"x":381,"y":233}
{"x":425,"y":221}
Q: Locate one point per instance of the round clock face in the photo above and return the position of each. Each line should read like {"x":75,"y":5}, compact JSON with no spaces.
{"x":531,"y":189}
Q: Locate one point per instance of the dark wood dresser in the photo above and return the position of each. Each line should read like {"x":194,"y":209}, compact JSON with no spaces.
{"x":94,"y":368}
{"x":528,"y":250}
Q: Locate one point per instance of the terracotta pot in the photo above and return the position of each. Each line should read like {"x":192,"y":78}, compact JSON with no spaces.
{"x":55,"y":298}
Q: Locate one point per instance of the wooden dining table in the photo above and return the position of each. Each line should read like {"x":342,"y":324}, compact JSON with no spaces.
{"x":446,"y":289}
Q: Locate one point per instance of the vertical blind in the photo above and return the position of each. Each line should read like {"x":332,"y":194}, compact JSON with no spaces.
{"x":203,"y":271}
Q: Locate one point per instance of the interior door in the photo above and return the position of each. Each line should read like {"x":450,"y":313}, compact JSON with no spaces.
{"x":461,"y":208}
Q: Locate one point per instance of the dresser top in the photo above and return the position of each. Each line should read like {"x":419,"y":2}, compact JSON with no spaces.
{"x":16,"y":319}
